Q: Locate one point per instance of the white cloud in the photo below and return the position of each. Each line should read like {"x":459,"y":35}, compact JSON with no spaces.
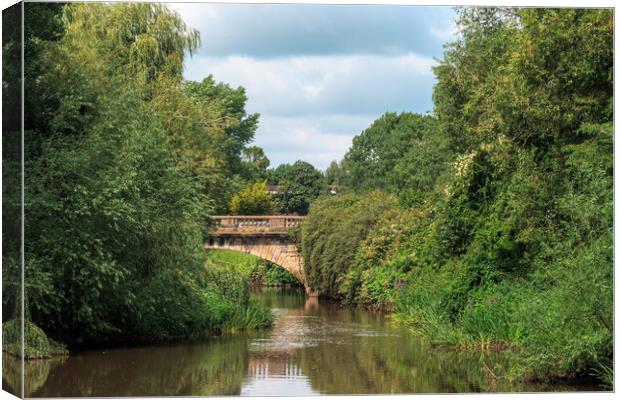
{"x":316,"y":139}
{"x":196,"y":15}
{"x":313,"y":90}
{"x":353,"y":84}
{"x":318,"y":148}
{"x":446,"y":33}
{"x":319,"y":75}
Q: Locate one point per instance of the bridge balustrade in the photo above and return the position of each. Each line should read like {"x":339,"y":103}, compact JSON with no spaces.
{"x":240,"y":224}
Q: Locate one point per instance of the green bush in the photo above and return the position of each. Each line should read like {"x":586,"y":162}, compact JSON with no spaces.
{"x":36,"y":343}
{"x":254,"y":199}
{"x":208,"y":301}
{"x":275,"y":275}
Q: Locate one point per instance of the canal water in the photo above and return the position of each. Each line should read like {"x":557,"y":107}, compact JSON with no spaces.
{"x":315,"y":347}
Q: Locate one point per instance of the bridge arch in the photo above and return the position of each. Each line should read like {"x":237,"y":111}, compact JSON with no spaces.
{"x":266,"y":237}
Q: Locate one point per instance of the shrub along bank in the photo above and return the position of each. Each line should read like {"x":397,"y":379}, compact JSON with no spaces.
{"x":544,"y":286}
{"x":331,"y":234}
{"x":36,"y":343}
{"x":512,"y":243}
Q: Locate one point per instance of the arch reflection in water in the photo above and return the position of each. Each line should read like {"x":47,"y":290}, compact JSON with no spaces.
{"x":265,"y":368}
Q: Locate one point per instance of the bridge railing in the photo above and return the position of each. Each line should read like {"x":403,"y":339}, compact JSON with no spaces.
{"x":255,"y":223}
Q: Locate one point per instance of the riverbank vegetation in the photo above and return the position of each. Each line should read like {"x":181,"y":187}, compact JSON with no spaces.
{"x":486,"y":223}
{"x":494,"y":219}
{"x":36,"y":343}
{"x":126,"y":162}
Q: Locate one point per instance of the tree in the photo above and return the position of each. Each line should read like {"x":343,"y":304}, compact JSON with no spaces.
{"x":239,"y":127}
{"x":397,"y":152}
{"x":254,"y":199}
{"x":334,"y":174}
{"x":123,"y":171}
{"x":209,"y":130}
{"x":277,"y":175}
{"x":301,"y":183}
{"x":42,"y":26}
{"x":525,"y":97}
{"x":256,"y":162}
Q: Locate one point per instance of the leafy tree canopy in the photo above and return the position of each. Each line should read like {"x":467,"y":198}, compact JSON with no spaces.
{"x":256,"y":162}
{"x":254,"y":199}
{"x":300,"y":183}
{"x":397,"y":152}
{"x":334,"y":174}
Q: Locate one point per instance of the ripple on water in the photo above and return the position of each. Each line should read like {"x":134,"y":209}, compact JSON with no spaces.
{"x":377,"y":334}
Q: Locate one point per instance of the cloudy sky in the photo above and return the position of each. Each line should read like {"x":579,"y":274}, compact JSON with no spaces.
{"x":319,"y":74}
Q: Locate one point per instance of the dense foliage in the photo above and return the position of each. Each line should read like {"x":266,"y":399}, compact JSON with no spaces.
{"x":396,"y":151}
{"x":331,"y":234}
{"x":334,"y":174}
{"x":212,"y":130}
{"x":509,"y":241}
{"x":126,"y":162}
{"x":256,"y":163}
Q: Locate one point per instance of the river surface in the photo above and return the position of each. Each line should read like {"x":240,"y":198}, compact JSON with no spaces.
{"x":315,"y":347}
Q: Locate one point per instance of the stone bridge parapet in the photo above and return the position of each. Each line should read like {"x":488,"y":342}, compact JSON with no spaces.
{"x":255,"y":224}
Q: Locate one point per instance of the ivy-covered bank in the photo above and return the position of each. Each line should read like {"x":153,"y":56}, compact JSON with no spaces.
{"x":491,"y":221}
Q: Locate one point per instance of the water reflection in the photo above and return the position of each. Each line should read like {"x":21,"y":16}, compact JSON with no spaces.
{"x":314,"y":347}
{"x":36,"y":371}
{"x":213,"y":368}
{"x":344,"y":351}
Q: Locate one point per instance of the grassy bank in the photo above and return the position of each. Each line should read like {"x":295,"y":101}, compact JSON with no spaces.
{"x":212,"y":301}
{"x":255,"y":270}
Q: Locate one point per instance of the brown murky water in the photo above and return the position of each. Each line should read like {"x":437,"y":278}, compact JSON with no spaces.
{"x":314,"y":348}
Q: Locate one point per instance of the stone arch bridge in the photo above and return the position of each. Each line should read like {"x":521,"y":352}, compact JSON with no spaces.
{"x":266,"y":237}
